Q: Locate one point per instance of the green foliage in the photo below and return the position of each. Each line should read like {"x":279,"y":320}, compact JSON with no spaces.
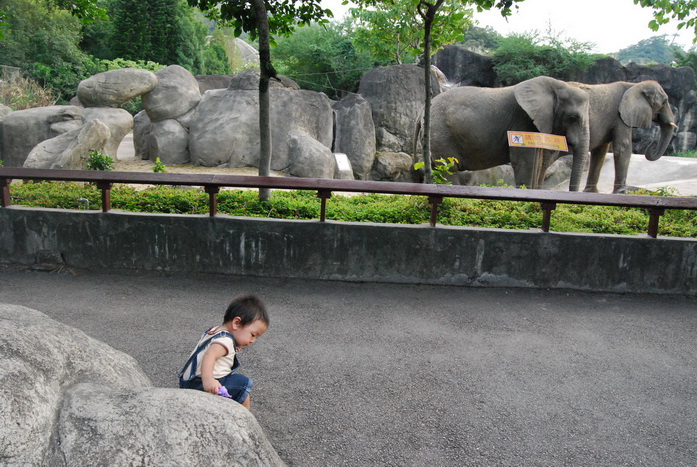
{"x":98,"y":161}
{"x":322,"y":59}
{"x":653,"y":50}
{"x":483,"y":41}
{"x":283,"y":15}
{"x":524,"y":56}
{"x":362,"y":208}
{"x":43,"y":42}
{"x":393,"y":31}
{"x":159,"y":166}
{"x":686,"y":154}
{"x":684,"y":11}
{"x":441,"y":170}
{"x":683,"y":58}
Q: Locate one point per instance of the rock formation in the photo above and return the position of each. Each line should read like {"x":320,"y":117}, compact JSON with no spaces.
{"x":69,"y":399}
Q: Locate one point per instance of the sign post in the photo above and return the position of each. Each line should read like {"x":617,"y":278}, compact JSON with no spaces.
{"x":538,"y":141}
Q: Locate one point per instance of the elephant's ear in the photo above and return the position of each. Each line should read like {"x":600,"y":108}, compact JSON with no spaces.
{"x":536,"y":97}
{"x":636,"y":106}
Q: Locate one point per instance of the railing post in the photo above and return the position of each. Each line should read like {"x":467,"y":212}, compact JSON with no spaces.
{"x":547,"y":208}
{"x":212,"y":191}
{"x":5,"y":192}
{"x":654,"y":216}
{"x":435,"y":201}
{"x":323,"y":195}
{"x":106,"y":195}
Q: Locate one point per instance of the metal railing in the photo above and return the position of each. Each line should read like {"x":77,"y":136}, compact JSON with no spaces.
{"x":656,"y":205}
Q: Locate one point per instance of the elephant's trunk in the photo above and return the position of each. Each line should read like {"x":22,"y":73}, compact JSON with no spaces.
{"x":580,"y":147}
{"x":667,"y":121}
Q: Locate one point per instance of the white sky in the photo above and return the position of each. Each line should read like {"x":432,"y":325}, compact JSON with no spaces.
{"x":611,"y":25}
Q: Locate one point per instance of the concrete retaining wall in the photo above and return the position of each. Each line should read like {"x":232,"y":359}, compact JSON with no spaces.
{"x":360,"y":252}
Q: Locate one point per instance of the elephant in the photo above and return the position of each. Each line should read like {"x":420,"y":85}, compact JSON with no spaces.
{"x":471,"y":125}
{"x":614,"y":109}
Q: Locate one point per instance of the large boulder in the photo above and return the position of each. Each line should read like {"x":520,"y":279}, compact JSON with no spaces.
{"x":308,"y":157}
{"x":22,"y":130}
{"x":119,"y":121}
{"x":248,"y":80}
{"x":225,"y":128}
{"x":69,"y":399}
{"x":465,"y":68}
{"x":354,"y":133}
{"x":169,"y":141}
{"x":69,"y":150}
{"x":392,"y":167}
{"x":396,"y":96}
{"x":141,"y":134}
{"x":114,"y":88}
{"x":176,"y":94}
{"x":208,"y":82}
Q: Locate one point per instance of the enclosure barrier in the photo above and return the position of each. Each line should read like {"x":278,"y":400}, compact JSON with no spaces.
{"x":211,"y":183}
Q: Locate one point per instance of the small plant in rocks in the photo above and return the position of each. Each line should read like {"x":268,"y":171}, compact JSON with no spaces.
{"x":98,"y":161}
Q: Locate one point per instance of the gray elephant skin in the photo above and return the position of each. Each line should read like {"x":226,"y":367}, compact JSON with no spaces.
{"x":614,"y":109}
{"x":471,"y":124}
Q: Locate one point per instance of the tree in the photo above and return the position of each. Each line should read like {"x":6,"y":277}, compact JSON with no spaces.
{"x":684,"y":11}
{"x":323,"y":59}
{"x":261,"y":18}
{"x":428,"y":14}
{"x":653,"y":50}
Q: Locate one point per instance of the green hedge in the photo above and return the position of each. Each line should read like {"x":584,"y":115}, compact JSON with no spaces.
{"x":394,"y":209}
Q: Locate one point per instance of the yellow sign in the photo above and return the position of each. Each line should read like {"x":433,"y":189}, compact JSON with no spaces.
{"x":523,"y":139}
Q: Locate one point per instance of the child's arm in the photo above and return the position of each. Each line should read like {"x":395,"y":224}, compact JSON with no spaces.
{"x":214,"y":352}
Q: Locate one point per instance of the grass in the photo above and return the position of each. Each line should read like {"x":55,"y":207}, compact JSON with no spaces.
{"x":393,"y":209}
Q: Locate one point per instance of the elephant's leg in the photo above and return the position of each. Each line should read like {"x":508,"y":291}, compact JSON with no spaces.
{"x":597,"y":160}
{"x":525,"y":163}
{"x":622,"y":150}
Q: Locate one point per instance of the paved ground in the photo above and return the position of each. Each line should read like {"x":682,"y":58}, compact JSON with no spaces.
{"x":392,"y":375}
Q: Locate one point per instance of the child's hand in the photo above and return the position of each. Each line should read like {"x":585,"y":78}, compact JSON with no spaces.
{"x":211,"y":385}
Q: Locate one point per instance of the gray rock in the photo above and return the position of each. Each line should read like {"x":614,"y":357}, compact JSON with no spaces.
{"x":69,"y":150}
{"x":159,"y":427}
{"x":119,"y":121}
{"x":344,"y":171}
{"x":168,"y":140}
{"x":308,"y":157}
{"x":41,"y":359}
{"x":225,"y":128}
{"x":176,"y":94}
{"x":208,"y":82}
{"x":4,"y":110}
{"x":69,"y":399}
{"x":392,"y":166}
{"x":396,"y":97}
{"x":114,"y":88}
{"x":141,"y":135}
{"x":248,"y":80}
{"x":354,"y":133}
{"x":22,"y":130}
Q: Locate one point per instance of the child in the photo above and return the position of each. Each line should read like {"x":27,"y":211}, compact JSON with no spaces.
{"x":213,"y":361}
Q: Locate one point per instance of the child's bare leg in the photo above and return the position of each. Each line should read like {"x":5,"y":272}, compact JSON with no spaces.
{"x":246,"y":403}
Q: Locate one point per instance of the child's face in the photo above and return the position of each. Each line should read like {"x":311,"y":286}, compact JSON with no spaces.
{"x":246,"y":335}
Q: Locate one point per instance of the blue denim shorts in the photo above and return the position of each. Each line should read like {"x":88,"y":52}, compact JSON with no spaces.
{"x":237,"y":385}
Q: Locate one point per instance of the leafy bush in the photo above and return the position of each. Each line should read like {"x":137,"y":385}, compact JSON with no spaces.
{"x":362,"y":208}
{"x":159,"y":166}
{"x":524,"y":56}
{"x":98,"y":161}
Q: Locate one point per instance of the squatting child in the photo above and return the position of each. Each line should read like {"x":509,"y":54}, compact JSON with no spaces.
{"x":213,"y":362}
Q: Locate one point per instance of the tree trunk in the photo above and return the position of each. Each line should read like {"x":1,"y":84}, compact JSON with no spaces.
{"x":428,"y":16}
{"x":266,"y":72}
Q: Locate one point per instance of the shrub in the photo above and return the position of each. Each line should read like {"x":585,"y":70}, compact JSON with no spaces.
{"x":24,"y":93}
{"x":98,"y":161}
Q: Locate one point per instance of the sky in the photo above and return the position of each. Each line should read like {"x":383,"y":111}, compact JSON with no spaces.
{"x":611,"y":25}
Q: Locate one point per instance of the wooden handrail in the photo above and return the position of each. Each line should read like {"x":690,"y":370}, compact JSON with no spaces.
{"x":324,"y":187}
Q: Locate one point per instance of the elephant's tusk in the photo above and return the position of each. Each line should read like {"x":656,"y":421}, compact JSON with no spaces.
{"x":673,"y":125}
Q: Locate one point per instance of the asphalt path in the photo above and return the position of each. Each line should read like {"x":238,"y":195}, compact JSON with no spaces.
{"x":355,"y":374}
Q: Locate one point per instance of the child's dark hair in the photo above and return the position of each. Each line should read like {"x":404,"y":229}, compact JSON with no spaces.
{"x":249,"y":308}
